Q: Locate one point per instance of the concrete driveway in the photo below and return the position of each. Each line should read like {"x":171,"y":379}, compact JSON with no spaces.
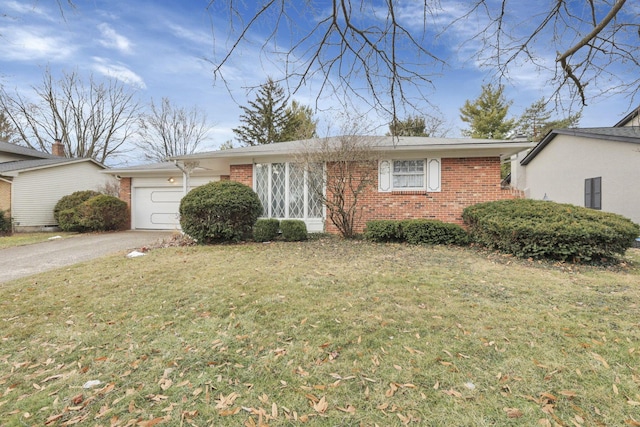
{"x":22,"y":261}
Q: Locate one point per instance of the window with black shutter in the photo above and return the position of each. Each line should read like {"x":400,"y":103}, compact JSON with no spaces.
{"x":593,"y":193}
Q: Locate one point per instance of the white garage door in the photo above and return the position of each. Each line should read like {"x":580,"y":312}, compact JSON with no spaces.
{"x":156,"y":208}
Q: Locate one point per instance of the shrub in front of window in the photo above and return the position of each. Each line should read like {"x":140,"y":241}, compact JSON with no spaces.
{"x":433,"y":232}
{"x":384,"y":230}
{"x":71,"y":201}
{"x":100,"y":213}
{"x":293,"y":230}
{"x":266,"y":229}
{"x":5,"y":223}
{"x":541,"y":229}
{"x":218,"y":212}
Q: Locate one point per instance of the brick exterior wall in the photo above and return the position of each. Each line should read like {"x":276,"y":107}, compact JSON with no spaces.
{"x":125,"y":194}
{"x":5,"y":197}
{"x":242,"y":173}
{"x":464,"y":182}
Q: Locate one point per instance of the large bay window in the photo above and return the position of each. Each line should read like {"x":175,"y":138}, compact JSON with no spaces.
{"x":409,"y":175}
{"x":288,"y":190}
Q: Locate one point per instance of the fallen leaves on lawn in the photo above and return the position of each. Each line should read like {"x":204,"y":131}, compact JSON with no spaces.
{"x":513,"y":412}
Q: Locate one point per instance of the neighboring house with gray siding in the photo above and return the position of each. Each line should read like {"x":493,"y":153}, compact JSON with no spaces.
{"x":597,"y":168}
{"x":32,"y":182}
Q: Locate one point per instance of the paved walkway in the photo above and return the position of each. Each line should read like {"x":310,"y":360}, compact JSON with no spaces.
{"x":22,"y":261}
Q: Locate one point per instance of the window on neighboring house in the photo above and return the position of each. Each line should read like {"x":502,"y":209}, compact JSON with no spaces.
{"x":593,"y":193}
{"x":409,"y":175}
{"x":287,"y":190}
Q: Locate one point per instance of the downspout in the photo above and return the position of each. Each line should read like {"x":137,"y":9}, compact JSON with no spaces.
{"x":185,"y":178}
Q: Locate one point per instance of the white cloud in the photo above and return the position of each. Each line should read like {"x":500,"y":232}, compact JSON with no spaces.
{"x":198,"y":37}
{"x":22,"y":7}
{"x":118,"y":71}
{"x":111,"y":39}
{"x":32,"y":44}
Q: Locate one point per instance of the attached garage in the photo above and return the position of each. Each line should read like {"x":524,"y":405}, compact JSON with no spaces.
{"x":154,"y":193}
{"x":156,"y":208}
{"x":155,"y":201}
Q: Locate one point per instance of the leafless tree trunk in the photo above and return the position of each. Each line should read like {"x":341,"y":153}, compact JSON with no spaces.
{"x":92,"y":119}
{"x":172,"y":131}
{"x":342,"y":169}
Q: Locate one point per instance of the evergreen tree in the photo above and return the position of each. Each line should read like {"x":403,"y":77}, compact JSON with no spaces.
{"x":411,"y":126}
{"x":487,"y":114}
{"x":300,"y":123}
{"x":264,"y":120}
{"x":535,"y":121}
{"x":7,"y":131}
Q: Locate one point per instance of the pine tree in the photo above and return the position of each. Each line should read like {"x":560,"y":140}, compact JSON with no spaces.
{"x":535,"y":121}
{"x":7,"y":131}
{"x":300,"y":123}
{"x":487,"y":114}
{"x":411,"y":126}
{"x":264,"y":120}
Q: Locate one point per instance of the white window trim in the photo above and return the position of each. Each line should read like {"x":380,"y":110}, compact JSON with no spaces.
{"x":432,"y":176}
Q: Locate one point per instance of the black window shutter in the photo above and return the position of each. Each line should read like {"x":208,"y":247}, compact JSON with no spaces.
{"x":587,"y":193}
{"x":597,"y":193}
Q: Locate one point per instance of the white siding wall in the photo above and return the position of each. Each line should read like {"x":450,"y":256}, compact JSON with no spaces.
{"x":559,"y":171}
{"x":35,"y":193}
{"x":634,"y":122}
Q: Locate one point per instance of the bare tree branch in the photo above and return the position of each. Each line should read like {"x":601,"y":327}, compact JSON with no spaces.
{"x":167,"y":131}
{"x":371,"y":51}
{"x":92,"y":119}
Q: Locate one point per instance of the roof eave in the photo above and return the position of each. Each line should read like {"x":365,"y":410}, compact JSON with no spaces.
{"x":572,"y":132}
{"x":508,"y":146}
{"x":16,"y":172}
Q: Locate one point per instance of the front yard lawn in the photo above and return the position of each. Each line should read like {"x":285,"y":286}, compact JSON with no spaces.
{"x":20,"y":239}
{"x":324,"y":332}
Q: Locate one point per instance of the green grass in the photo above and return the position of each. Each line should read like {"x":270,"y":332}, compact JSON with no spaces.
{"x":20,"y":239}
{"x":324,"y":332}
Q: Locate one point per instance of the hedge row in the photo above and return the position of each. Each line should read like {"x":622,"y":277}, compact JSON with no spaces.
{"x":541,"y":229}
{"x":416,"y":231}
{"x":267,"y":229}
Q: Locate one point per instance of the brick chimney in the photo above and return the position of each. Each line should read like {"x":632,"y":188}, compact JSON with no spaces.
{"x":57,"y":149}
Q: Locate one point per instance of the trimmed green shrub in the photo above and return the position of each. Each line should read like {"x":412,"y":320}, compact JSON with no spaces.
{"x":100,"y":213}
{"x":541,"y":229}
{"x":433,"y":232}
{"x":5,"y":223}
{"x":266,"y":229}
{"x":416,"y":232}
{"x":222,"y":211}
{"x":68,"y":220}
{"x":71,"y":201}
{"x":293,"y":230}
{"x":103,"y":213}
{"x":383,"y":230}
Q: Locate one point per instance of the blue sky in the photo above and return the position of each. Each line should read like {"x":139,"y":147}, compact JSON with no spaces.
{"x":164,"y":48}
